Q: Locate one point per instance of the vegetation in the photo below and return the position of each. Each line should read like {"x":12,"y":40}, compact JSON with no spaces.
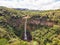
{"x":43,"y":27}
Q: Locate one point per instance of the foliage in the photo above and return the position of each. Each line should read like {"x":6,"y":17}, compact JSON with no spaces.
{"x":3,"y":41}
{"x":44,"y":26}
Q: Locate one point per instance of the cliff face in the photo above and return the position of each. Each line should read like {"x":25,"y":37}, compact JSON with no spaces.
{"x":18,"y":21}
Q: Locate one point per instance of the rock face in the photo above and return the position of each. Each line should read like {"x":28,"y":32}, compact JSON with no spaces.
{"x":37,"y":20}
{"x":16,"y":22}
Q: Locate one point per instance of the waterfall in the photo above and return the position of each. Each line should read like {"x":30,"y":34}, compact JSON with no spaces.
{"x":25,"y":33}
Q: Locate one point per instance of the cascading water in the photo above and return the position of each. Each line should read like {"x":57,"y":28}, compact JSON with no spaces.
{"x":25,"y":33}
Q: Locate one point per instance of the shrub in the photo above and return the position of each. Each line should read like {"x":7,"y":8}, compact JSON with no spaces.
{"x":3,"y":41}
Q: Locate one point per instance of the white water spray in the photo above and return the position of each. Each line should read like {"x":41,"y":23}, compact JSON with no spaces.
{"x":25,"y":33}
